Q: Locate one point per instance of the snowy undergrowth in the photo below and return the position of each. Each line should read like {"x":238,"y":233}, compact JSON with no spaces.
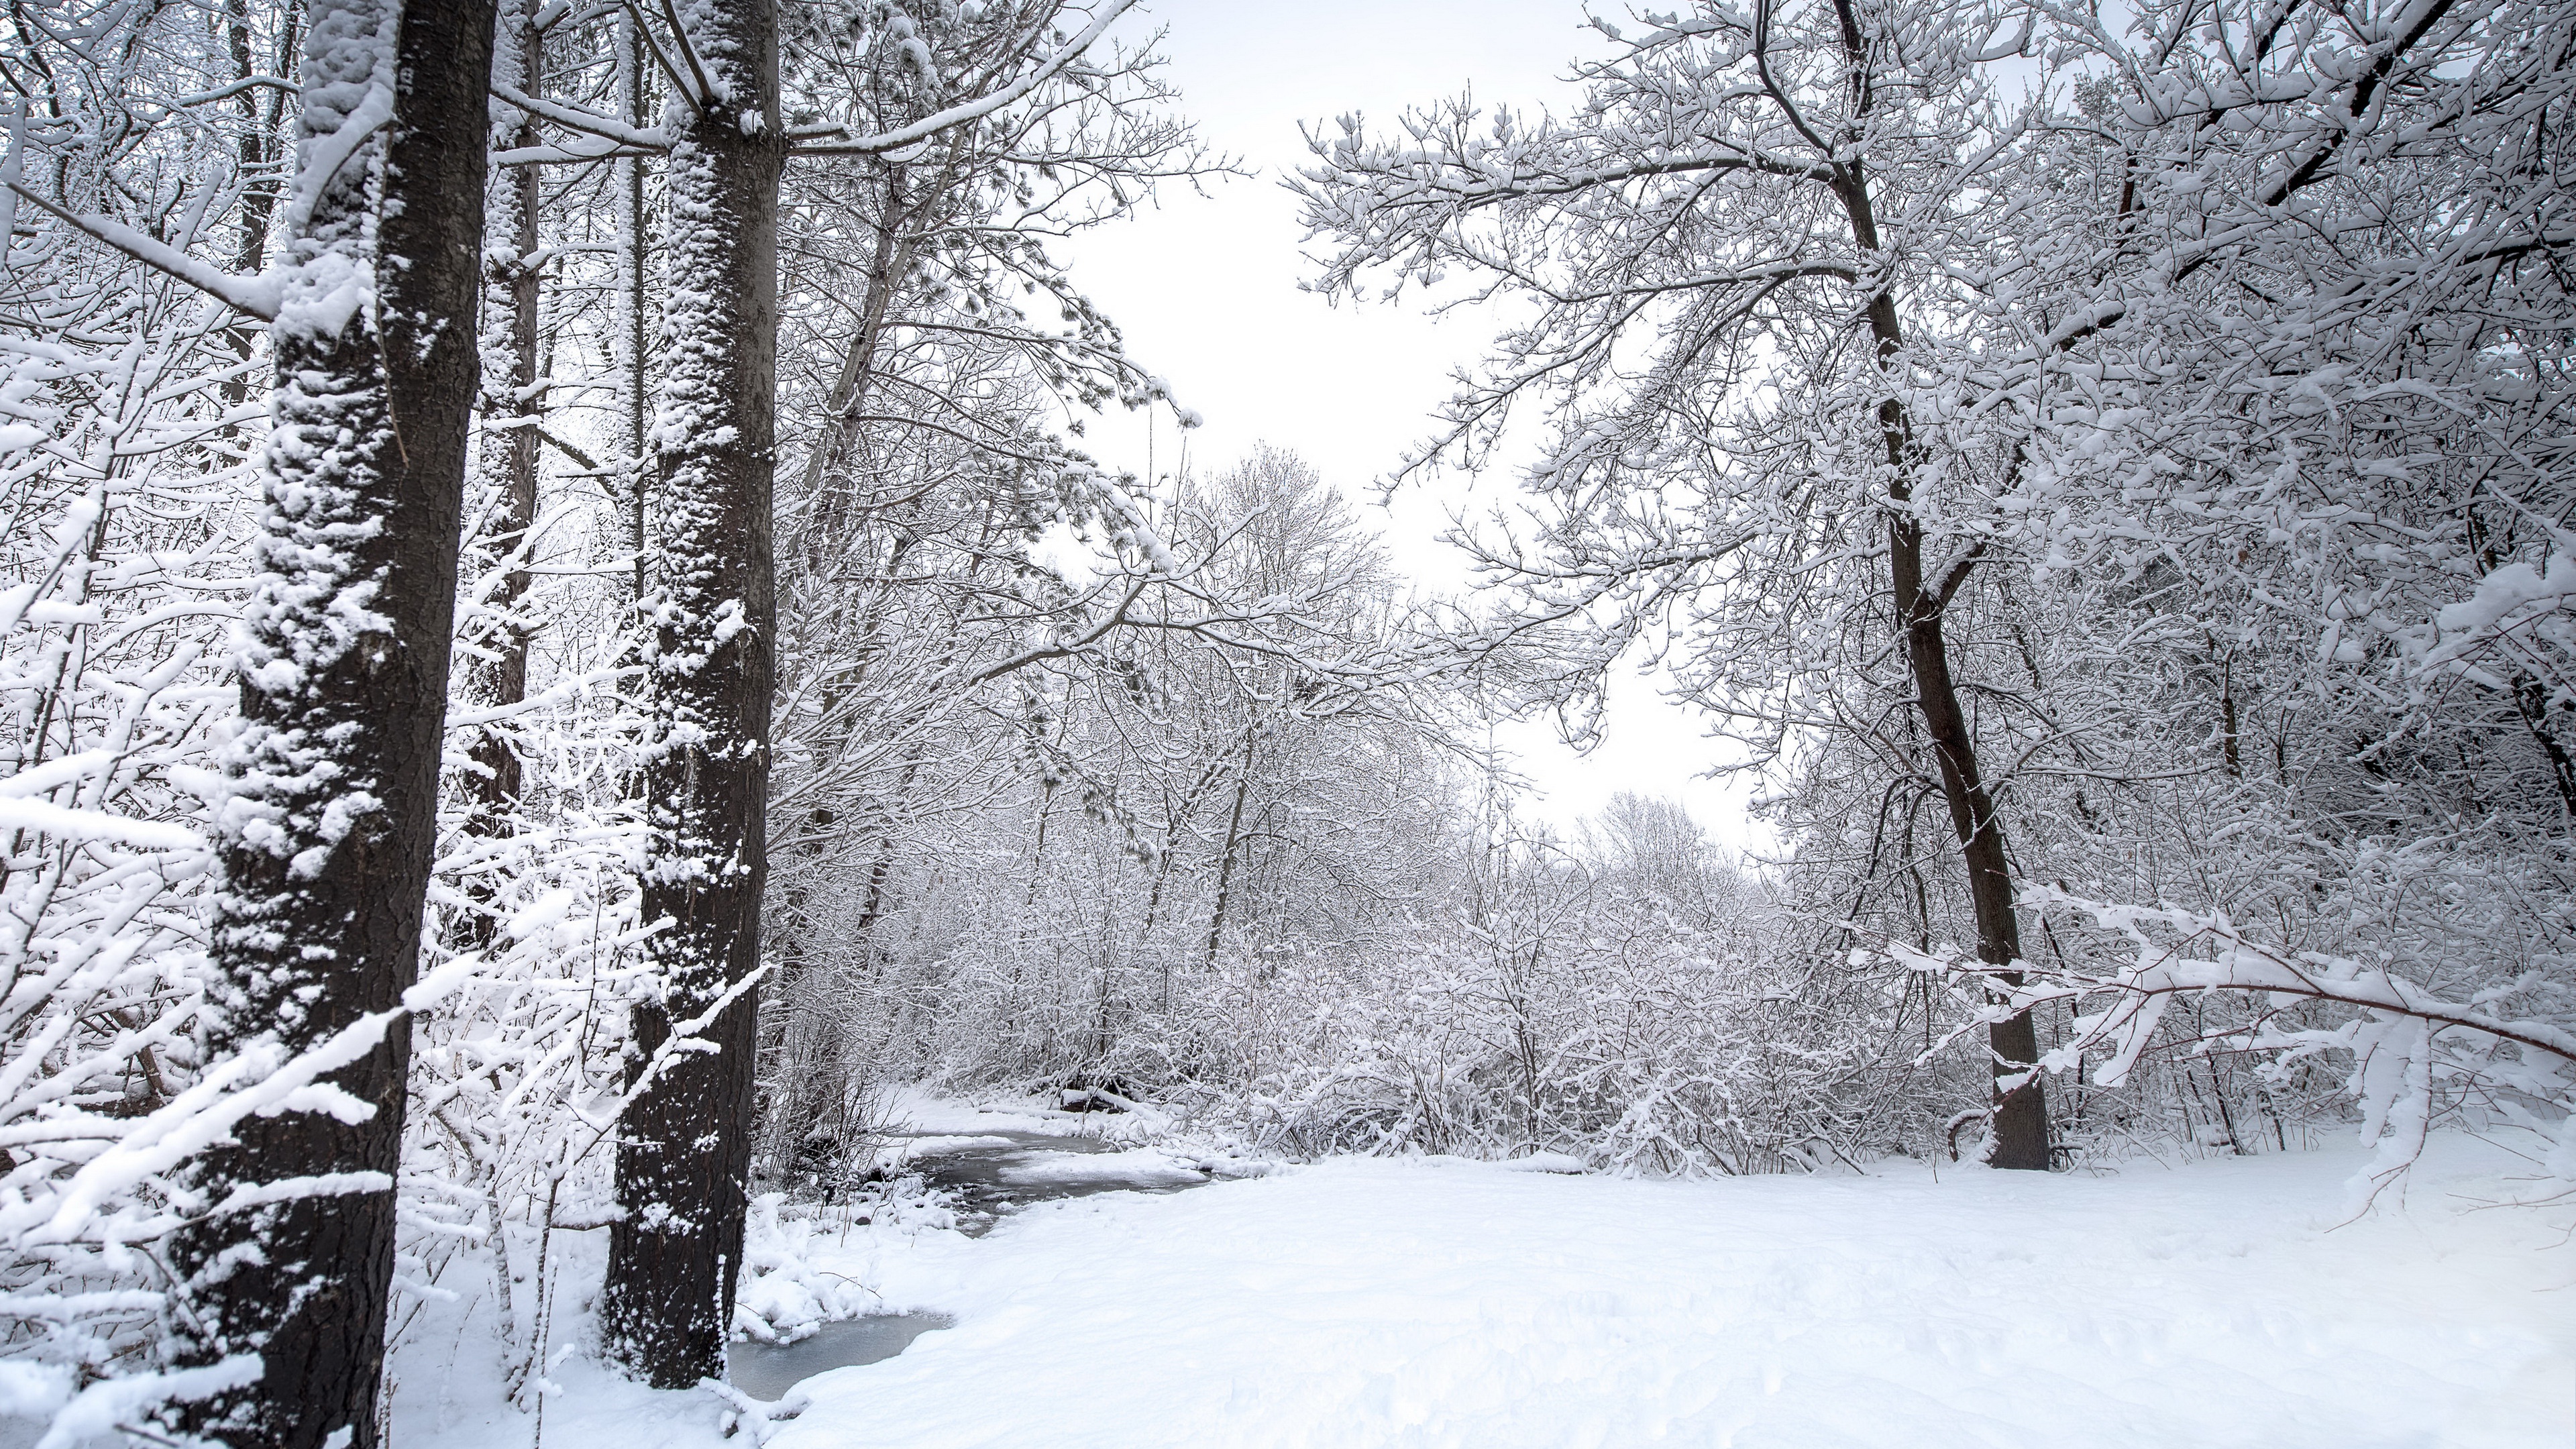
{"x":1427,"y":1302}
{"x":1178,"y":1139}
{"x":911,"y":1110}
{"x":784,"y":1297}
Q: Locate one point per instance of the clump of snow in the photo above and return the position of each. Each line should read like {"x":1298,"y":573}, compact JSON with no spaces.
{"x":1138,"y":1166}
{"x":1545,"y":1162}
{"x":783,"y":1296}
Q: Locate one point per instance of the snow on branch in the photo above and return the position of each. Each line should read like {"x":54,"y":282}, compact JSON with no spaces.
{"x":2523,"y":601}
{"x":982,"y":106}
{"x":262,"y":1080}
{"x":254,"y":296}
{"x":580,"y":118}
{"x":2407,"y":1042}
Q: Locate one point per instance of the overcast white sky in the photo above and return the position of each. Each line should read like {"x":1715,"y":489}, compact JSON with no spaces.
{"x":1206,"y":290}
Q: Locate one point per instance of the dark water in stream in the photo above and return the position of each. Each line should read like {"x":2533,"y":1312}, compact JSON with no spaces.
{"x":982,"y":1180}
{"x":991,"y":1178}
{"x":768,"y":1371}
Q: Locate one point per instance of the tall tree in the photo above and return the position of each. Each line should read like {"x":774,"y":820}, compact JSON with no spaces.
{"x":684,"y":1154}
{"x":1758,"y":205}
{"x":513,"y":413}
{"x":326,"y":841}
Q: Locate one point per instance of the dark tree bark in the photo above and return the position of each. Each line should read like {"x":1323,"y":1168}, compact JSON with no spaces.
{"x":637,"y":295}
{"x":2532,"y":704}
{"x":493,"y":786}
{"x":2019,"y":1123}
{"x":1225,"y":860}
{"x":684,"y":1154}
{"x":255,"y":153}
{"x":896,"y":245}
{"x":326,"y":849}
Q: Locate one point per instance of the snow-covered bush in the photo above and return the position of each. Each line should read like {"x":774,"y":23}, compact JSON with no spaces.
{"x":122,"y":547}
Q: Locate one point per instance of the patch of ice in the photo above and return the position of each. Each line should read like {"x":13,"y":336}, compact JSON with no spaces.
{"x":909,"y":1148}
{"x":1141,"y":1166}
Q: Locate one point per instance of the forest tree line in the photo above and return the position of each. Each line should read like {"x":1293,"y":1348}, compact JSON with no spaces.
{"x":562,"y":638}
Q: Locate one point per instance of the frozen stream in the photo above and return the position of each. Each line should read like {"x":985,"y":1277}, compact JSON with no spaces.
{"x":983,"y":1176}
{"x":990,"y":1174}
{"x":768,"y":1371}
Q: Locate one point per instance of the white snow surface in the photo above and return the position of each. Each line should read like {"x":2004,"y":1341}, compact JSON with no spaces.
{"x":1440,"y":1302}
{"x":934,"y":1146}
{"x":1143,"y":1166}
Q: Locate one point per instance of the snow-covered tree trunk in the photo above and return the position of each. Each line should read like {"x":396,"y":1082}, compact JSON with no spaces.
{"x":685,"y":1150}
{"x":326,"y":840}
{"x":633,"y":310}
{"x":1233,"y":844}
{"x":513,"y":409}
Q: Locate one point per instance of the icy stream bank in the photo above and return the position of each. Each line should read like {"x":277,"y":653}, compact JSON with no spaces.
{"x":984,"y":1176}
{"x":979,"y":1177}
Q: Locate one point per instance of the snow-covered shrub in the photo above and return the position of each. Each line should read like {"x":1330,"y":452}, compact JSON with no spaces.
{"x":2436,"y":988}
{"x":119,"y":549}
{"x":784,"y":1297}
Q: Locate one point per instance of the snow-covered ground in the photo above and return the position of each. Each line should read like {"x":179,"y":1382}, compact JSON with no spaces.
{"x":1421,"y":1303}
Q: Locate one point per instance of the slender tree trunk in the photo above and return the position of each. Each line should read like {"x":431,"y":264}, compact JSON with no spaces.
{"x":1162,"y":873}
{"x":887,"y":268}
{"x":1154,"y":906}
{"x":250,"y":150}
{"x":684,"y":1155}
{"x":635,"y":299}
{"x":2227,"y":715}
{"x":790,"y":1087}
{"x":511,"y":396}
{"x":881,"y":871}
{"x":251,"y":153}
{"x":1037,"y":861}
{"x":326,"y":849}
{"x":2532,"y":703}
{"x":2018,"y":1128}
{"x":1225,"y":862}
{"x":2020,"y":1125}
